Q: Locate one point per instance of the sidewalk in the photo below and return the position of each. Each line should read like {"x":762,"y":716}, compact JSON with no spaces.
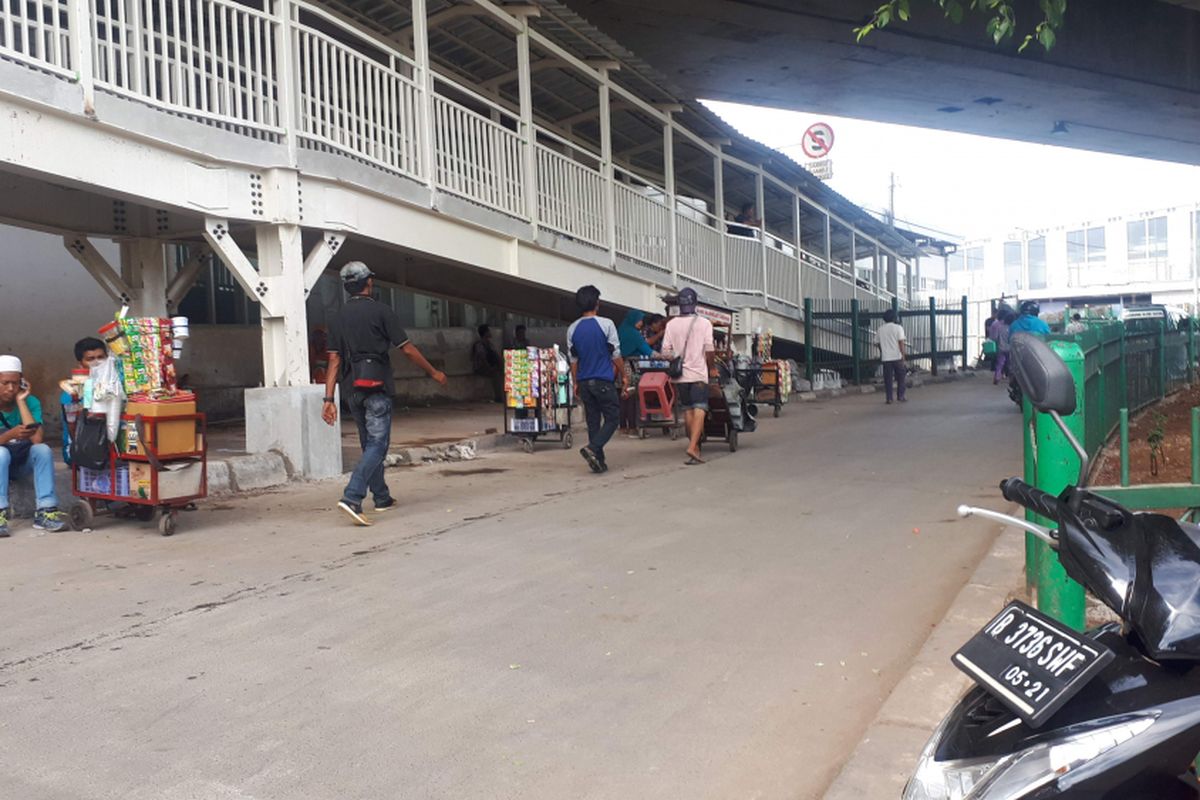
{"x":885,"y":758}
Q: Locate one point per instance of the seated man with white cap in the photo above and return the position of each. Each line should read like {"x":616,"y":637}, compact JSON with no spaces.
{"x":22,"y":450}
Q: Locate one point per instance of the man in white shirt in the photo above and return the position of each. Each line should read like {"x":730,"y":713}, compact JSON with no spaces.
{"x":893,"y":350}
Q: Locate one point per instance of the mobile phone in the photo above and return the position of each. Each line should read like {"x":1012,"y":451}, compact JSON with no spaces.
{"x":33,"y":426}
{"x":24,"y":385}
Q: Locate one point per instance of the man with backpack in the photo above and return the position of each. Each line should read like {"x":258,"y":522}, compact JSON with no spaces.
{"x":359,"y":358}
{"x":22,"y":450}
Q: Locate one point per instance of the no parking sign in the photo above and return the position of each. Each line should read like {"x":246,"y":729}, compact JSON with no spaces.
{"x":818,"y":140}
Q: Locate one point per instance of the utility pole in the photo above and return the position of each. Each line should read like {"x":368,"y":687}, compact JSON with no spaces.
{"x":891,"y":213}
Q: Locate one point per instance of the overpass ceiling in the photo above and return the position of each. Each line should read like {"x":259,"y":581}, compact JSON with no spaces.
{"x":1124,"y":77}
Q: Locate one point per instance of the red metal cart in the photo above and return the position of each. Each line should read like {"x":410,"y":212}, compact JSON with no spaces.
{"x":145,"y":483}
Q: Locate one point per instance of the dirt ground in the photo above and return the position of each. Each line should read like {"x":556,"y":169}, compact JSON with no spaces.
{"x":1175,"y":463}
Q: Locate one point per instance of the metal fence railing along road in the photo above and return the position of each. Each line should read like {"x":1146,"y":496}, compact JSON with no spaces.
{"x":840,"y":335}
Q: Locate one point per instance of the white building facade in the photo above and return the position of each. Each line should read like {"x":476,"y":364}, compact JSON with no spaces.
{"x":1146,"y":257}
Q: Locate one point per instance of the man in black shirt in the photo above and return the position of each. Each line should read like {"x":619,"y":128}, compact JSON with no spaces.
{"x":363,"y":335}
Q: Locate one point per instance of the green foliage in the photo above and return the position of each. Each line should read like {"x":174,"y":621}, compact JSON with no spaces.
{"x":1001,"y":25}
{"x":1156,"y":437}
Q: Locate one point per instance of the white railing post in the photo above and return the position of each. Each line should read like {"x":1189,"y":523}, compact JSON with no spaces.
{"x":799,"y":251}
{"x":427,"y":132}
{"x":606,"y":169}
{"x":828,"y":254}
{"x":528,"y":134}
{"x":286,"y":65}
{"x":854,"y":261}
{"x":669,"y":187}
{"x":719,"y":216}
{"x":79,"y":20}
{"x":760,"y":198}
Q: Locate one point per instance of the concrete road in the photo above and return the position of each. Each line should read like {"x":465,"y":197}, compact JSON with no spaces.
{"x":521,"y":629}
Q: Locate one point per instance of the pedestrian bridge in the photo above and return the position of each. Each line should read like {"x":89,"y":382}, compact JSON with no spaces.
{"x":485,"y":141}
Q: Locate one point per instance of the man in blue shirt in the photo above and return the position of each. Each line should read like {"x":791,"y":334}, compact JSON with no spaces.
{"x":596,"y":366}
{"x":22,"y":450}
{"x":1029,"y":321}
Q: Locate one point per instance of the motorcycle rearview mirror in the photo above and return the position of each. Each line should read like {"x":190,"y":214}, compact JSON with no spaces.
{"x":1046,"y":380}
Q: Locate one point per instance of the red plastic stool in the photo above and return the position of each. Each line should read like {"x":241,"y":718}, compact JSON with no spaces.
{"x":656,"y":397}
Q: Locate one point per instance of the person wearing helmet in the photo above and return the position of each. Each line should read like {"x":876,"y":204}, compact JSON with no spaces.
{"x":1029,"y":321}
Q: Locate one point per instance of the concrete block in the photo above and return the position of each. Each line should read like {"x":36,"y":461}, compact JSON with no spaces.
{"x":808,"y":397}
{"x":287,"y":420}
{"x":220,"y":481}
{"x":881,"y":765}
{"x":257,"y":471}
{"x":868,"y":389}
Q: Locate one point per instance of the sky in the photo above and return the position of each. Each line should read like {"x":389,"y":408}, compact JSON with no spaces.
{"x":972,"y":186}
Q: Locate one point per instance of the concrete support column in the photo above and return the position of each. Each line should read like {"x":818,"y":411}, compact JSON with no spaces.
{"x":284,"y":320}
{"x":760,"y":200}
{"x":606,"y":168}
{"x":828,"y":255}
{"x":910,"y":290}
{"x":528,"y":135}
{"x":672,"y":217}
{"x":719,"y":220}
{"x":144,"y":271}
{"x":893,"y":284}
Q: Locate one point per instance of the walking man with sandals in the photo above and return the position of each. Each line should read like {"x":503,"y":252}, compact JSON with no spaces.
{"x":596,"y":369}
{"x":690,"y":338}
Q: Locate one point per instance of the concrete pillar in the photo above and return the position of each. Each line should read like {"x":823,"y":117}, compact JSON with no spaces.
{"x":285,"y":415}
{"x":144,"y":271}
{"x":893,"y":280}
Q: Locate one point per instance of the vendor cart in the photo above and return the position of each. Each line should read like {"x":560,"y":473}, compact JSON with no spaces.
{"x":764,"y":382}
{"x":150,"y":473}
{"x":539,"y":397}
{"x":656,"y":403}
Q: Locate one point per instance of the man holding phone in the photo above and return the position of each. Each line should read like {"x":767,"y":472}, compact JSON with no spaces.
{"x":22,"y":450}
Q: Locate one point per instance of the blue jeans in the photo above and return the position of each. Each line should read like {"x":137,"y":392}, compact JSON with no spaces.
{"x":41,"y":463}
{"x":373,"y":414}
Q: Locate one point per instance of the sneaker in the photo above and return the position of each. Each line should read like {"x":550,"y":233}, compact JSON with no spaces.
{"x":4,"y":532}
{"x":355,"y":511}
{"x":590,"y":458}
{"x":386,"y":505}
{"x":49,"y":519}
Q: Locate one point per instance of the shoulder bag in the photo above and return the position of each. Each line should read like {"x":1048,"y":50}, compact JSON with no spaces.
{"x":675,"y":367}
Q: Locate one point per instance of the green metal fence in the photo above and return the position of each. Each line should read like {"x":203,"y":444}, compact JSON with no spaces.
{"x":840,"y":335}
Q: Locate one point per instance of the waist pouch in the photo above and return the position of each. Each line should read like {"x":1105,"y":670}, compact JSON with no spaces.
{"x":369,"y":373}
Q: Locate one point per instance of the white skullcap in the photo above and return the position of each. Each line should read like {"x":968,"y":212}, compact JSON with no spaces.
{"x":10,"y":364}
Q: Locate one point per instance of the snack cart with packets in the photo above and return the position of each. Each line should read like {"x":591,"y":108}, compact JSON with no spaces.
{"x":157,"y":442}
{"x":538,"y":396}
{"x":158,"y":468}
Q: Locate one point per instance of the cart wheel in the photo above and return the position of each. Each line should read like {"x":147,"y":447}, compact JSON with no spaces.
{"x":733,"y":437}
{"x":642,"y":433}
{"x":673,"y":433}
{"x":667,"y":431}
{"x":166,"y":522}
{"x":527,"y":445}
{"x":778,"y":410}
{"x":81,"y":515}
{"x":568,"y":440}
{"x":144,"y":513}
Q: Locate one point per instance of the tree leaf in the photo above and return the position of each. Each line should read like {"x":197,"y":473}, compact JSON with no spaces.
{"x":1024,"y":44}
{"x":955,"y":12}
{"x":1046,"y":37}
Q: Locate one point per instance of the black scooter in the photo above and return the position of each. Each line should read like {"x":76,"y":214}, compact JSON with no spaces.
{"x":1111,"y":714}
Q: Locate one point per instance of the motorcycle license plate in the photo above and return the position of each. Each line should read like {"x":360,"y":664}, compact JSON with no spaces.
{"x":1030,"y":662}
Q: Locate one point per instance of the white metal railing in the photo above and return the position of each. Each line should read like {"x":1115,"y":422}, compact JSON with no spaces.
{"x":213,"y":59}
{"x":743,"y":264}
{"x":570,"y":193}
{"x":783,"y":279}
{"x":477,"y":158}
{"x":36,"y":31}
{"x":361,"y":100}
{"x":699,"y":248}
{"x":643,"y":229}
{"x":352,"y":92}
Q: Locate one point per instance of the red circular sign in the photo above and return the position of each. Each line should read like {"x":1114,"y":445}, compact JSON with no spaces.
{"x":818,"y":140}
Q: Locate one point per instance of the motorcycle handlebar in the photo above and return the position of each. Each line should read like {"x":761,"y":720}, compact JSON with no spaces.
{"x":1018,"y":491}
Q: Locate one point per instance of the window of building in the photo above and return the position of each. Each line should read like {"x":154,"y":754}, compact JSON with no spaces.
{"x":1014,"y":264}
{"x":1147,"y":239}
{"x":1036,"y":249}
{"x":216,"y":298}
{"x":955,"y":261}
{"x":1085,"y":247}
{"x":974,"y":259}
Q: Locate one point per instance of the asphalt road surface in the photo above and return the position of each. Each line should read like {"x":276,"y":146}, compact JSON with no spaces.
{"x":519,"y":629}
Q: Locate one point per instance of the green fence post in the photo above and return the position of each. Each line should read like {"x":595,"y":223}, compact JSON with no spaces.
{"x":856,"y":342}
{"x":1102,"y":411}
{"x":808,"y":340}
{"x":1031,"y":541}
{"x":1196,"y":445}
{"x":1058,"y":467}
{"x":1191,"y":373}
{"x":1124,"y":446}
{"x":1162,"y":359}
{"x":1124,"y":372}
{"x":965,"y":314}
{"x":933,"y":342}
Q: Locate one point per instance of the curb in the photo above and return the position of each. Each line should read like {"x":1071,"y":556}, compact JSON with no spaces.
{"x":884,"y":760}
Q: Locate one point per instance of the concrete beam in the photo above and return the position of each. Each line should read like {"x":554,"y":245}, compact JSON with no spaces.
{"x":320,"y":256}
{"x":102,"y":272}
